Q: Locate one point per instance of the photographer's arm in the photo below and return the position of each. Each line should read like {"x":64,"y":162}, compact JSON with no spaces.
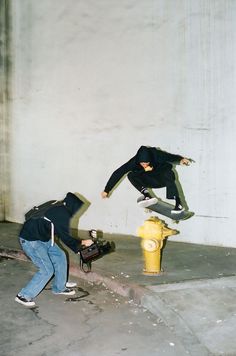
{"x":74,"y":244}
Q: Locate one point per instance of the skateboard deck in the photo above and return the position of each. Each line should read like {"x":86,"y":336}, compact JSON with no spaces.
{"x":165,"y":208}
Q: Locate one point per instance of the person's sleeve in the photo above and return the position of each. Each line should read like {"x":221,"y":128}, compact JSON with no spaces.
{"x":118,"y":174}
{"x":69,"y":241}
{"x":168,"y":157}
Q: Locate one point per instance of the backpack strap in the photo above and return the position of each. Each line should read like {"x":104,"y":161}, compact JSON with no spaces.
{"x":52,"y":230}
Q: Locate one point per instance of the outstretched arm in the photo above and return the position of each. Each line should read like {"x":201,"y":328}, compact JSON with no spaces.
{"x":116,"y":176}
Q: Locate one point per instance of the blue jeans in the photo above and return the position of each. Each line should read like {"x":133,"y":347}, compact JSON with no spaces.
{"x":50,"y":260}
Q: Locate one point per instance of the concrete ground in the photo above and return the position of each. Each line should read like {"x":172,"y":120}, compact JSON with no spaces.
{"x":94,"y":321}
{"x":195,"y":296}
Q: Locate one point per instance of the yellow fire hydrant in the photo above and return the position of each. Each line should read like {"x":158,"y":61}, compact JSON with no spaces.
{"x":153,"y":232}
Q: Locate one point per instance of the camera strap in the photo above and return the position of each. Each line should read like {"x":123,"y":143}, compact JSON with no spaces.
{"x":88,"y":265}
{"x":87,"y":255}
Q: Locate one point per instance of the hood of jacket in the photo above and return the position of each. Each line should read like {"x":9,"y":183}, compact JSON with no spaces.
{"x":144,"y":155}
{"x":73,"y":203}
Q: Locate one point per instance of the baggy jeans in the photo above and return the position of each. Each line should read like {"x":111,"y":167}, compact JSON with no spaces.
{"x":50,"y":261}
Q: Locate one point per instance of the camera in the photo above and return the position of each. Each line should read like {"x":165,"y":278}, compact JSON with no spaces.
{"x":98,"y":249}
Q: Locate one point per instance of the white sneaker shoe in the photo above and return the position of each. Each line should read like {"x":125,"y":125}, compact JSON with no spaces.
{"x":71,"y":284}
{"x":25,"y":302}
{"x":147,"y":202}
{"x":178,"y":209}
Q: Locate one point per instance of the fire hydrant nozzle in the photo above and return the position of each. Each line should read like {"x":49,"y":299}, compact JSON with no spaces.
{"x":153,"y":232}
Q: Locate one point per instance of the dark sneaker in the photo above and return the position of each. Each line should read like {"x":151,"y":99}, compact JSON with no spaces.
{"x":66,"y":292}
{"x":177,"y":209}
{"x":146,"y":201}
{"x":23,"y":301}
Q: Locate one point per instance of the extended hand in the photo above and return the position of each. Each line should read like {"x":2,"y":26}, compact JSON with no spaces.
{"x":185,"y":161}
{"x":104,"y":195}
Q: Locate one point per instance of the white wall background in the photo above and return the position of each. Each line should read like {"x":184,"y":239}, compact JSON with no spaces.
{"x":93,"y":80}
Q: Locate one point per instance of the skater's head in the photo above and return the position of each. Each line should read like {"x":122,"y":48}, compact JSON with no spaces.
{"x":143,"y":156}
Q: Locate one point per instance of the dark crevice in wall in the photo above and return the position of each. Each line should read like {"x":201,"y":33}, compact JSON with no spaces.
{"x":5,"y":78}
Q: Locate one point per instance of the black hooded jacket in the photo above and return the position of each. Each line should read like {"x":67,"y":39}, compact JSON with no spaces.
{"x":156,"y":157}
{"x":40,"y":229}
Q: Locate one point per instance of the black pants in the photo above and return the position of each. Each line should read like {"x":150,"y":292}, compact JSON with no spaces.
{"x":160,"y":178}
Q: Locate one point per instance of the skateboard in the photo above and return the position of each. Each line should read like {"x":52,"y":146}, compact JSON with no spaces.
{"x":165,"y":208}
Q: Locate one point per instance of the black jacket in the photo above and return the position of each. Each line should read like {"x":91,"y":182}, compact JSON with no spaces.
{"x":40,"y":229}
{"x":156,"y":157}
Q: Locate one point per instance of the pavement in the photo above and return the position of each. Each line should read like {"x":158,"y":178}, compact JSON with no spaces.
{"x":194,"y":296}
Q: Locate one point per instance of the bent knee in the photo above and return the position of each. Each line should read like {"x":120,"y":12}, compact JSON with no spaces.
{"x":48,"y":271}
{"x":169,"y":175}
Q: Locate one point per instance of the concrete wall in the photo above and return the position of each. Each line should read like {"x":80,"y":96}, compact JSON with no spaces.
{"x":94,"y":80}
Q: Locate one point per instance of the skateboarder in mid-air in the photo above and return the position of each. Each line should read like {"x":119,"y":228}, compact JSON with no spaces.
{"x":150,"y":168}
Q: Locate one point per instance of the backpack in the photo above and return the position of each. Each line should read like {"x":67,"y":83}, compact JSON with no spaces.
{"x":39,"y":212}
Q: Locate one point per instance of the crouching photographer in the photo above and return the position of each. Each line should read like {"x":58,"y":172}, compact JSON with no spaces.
{"x":95,"y":251}
{"x":37,"y":238}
